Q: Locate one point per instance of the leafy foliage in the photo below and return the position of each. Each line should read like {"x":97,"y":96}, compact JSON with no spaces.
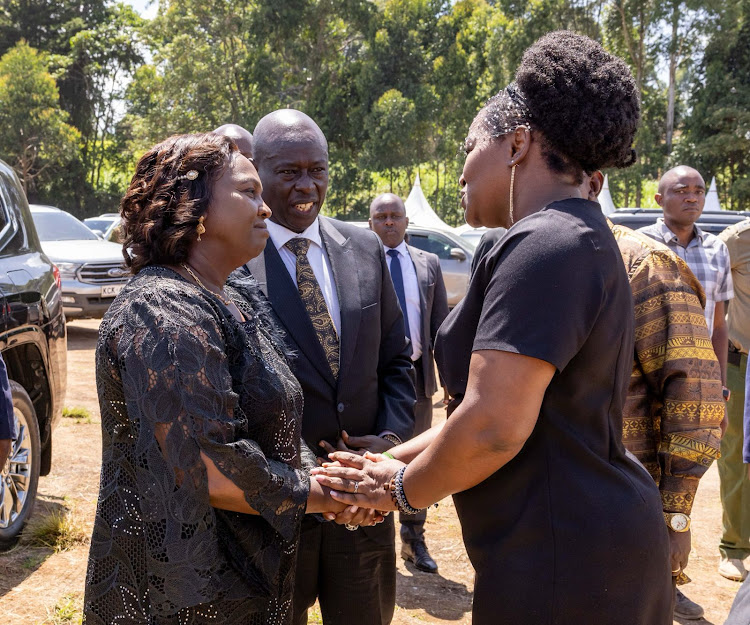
{"x":394,"y":84}
{"x":34,"y":133}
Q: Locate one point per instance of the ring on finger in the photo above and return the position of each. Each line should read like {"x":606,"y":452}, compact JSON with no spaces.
{"x":356,"y":487}
{"x":351,"y":528}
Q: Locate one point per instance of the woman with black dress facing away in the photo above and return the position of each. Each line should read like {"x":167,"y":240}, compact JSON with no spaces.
{"x":203,"y":484}
{"x":559,"y":524}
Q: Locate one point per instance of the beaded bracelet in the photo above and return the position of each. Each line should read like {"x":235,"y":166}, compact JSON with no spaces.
{"x":396,"y":486}
{"x":391,"y":438}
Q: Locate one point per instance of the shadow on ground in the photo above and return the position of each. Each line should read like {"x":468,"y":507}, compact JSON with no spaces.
{"x":81,"y":337}
{"x":440,"y":597}
{"x":22,"y":560}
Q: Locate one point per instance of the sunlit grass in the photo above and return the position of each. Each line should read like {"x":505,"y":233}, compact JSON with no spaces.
{"x":60,"y":530}
{"x":79,"y":413}
{"x":68,"y":609}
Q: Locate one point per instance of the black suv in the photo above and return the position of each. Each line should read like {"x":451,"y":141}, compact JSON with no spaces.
{"x":33,"y":344}
{"x":712,"y":222}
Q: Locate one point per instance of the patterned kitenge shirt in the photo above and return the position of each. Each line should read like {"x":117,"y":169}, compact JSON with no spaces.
{"x":674,"y":404}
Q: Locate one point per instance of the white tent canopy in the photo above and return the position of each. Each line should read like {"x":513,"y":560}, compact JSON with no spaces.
{"x":419,"y":211}
{"x":605,"y":198}
{"x":712,"y":197}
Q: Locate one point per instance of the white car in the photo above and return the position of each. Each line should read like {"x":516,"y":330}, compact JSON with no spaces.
{"x":92,"y":270}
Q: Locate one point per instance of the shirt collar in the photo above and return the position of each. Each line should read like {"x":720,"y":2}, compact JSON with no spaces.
{"x":401,"y":249}
{"x":671,"y":237}
{"x":281,"y":234}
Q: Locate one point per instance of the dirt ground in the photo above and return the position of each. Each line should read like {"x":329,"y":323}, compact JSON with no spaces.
{"x":40,"y":586}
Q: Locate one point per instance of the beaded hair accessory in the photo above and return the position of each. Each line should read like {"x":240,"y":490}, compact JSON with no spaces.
{"x":506,"y":111}
{"x":191,"y":175}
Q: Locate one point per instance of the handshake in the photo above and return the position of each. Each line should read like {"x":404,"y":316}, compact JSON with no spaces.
{"x":354,"y":490}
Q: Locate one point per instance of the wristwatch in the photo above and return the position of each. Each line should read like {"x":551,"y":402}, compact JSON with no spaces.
{"x":726,"y":393}
{"x":677,"y":521}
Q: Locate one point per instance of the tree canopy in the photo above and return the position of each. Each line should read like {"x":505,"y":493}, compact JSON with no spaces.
{"x":394,"y":84}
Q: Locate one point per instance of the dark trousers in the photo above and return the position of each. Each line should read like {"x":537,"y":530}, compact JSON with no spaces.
{"x":352,"y":574}
{"x":412,"y":525}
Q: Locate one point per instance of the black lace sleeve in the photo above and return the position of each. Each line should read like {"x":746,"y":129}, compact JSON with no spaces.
{"x":177,"y":384}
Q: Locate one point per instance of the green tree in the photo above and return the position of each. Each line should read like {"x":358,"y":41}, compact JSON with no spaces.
{"x":717,"y":131}
{"x":109,"y":55}
{"x":34,"y":134}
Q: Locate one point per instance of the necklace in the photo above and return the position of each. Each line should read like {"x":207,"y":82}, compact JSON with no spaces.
{"x":185,"y":266}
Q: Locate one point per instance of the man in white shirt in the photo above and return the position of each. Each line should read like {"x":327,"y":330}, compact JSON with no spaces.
{"x":329,"y":285}
{"x":419,"y":286}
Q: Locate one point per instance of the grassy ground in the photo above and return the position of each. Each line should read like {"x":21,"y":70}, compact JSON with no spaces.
{"x":42,"y":578}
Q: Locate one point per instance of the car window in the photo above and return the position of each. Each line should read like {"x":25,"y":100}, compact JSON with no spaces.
{"x":12,"y":236}
{"x":432,"y":243}
{"x":61,"y":227}
{"x":97,"y":224}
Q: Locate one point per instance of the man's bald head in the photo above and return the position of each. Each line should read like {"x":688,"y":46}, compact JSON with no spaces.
{"x":388,"y":219}
{"x":277,"y":130}
{"x":386,"y":199}
{"x":681,"y":195}
{"x":242,"y":138}
{"x":675,"y":173}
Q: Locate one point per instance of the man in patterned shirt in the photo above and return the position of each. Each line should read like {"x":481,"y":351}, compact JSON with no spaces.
{"x":674,"y":409}
{"x":682,"y":195}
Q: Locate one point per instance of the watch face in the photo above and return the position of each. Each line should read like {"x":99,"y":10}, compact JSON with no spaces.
{"x":678,"y":522}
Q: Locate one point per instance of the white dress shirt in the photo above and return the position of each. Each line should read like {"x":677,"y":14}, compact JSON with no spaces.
{"x":316,"y":256}
{"x":411,"y":292}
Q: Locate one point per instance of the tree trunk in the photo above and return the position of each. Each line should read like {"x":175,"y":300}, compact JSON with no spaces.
{"x":673,"y":46}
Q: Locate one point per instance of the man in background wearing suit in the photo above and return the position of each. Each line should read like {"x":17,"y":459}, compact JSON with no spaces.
{"x":421,"y":291}
{"x":329,"y":285}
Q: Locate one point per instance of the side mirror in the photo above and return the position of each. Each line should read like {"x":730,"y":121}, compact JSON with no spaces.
{"x":98,"y":233}
{"x":458,"y":254}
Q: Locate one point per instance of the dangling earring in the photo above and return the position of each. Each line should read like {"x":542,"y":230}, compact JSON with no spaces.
{"x":512,"y":182}
{"x":200,"y":228}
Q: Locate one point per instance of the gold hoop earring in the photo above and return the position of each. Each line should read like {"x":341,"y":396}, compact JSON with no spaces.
{"x":200,"y":228}
{"x":512,"y":183}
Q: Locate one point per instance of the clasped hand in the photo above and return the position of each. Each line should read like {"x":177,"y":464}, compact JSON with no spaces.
{"x":360,"y":481}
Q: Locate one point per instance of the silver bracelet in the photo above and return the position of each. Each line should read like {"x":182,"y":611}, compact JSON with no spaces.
{"x":401,"y":501}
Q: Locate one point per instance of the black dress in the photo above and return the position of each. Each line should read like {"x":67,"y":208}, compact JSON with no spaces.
{"x":177,"y":376}
{"x":570,"y":531}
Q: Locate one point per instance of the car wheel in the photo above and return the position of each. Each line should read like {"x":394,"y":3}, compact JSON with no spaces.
{"x":20,"y":475}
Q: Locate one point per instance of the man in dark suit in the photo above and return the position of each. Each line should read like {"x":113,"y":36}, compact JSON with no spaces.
{"x":329,"y":285}
{"x":419,"y":286}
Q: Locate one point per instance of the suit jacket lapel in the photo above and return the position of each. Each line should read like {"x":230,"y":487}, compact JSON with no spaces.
{"x":277,"y":284}
{"x":423,"y":279}
{"x":346,"y":277}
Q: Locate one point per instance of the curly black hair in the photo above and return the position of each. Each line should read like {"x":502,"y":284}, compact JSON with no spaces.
{"x":163,"y":205}
{"x":582,"y":99}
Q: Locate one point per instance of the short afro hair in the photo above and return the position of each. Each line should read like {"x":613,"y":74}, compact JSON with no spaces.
{"x":163,"y":205}
{"x":582,"y":99}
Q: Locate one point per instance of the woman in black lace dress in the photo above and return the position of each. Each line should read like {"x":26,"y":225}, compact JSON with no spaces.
{"x":203,"y":481}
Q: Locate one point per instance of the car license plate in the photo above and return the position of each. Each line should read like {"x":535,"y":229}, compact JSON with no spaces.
{"x":111,"y":290}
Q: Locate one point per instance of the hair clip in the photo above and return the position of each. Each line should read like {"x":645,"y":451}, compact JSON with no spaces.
{"x":191,"y":175}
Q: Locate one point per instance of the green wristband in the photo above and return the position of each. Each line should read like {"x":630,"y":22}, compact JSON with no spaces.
{"x":388,"y":454}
